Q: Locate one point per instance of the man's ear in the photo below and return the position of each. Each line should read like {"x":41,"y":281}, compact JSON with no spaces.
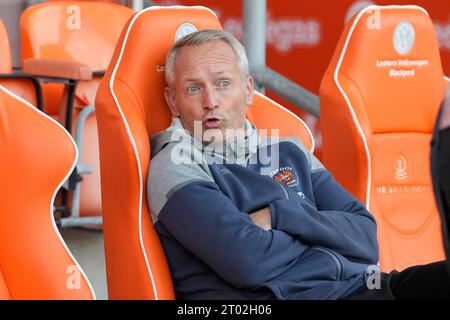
{"x":169,"y":94}
{"x":249,"y":91}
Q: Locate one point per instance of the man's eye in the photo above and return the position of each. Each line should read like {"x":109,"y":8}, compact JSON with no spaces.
{"x":193,"y":89}
{"x":225,"y":83}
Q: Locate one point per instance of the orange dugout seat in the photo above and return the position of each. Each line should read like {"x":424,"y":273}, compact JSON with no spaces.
{"x":131,"y":108}
{"x":35,"y":263}
{"x":25,"y":86}
{"x":5,"y":50}
{"x":379,"y":99}
{"x":72,"y":42}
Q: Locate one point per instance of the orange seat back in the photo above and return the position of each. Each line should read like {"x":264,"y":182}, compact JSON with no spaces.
{"x":82,"y":32}
{"x":5,"y":50}
{"x":379,"y":100}
{"x":21,"y":87}
{"x":110,"y":1}
{"x":77,"y":31}
{"x":131,"y":108}
{"x":35,"y":263}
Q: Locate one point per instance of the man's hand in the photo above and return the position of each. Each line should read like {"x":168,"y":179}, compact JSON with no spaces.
{"x":262,"y":218}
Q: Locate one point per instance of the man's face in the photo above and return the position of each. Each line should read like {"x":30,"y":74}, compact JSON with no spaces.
{"x":208,"y":89}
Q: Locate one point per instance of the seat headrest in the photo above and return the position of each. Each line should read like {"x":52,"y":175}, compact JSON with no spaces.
{"x":389,"y":56}
{"x":139,"y":65}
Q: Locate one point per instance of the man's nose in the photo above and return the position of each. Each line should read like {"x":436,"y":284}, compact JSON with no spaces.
{"x":210,"y":99}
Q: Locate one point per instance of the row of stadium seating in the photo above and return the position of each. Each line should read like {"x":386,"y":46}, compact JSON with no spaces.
{"x":67,"y":47}
{"x":379,"y":100}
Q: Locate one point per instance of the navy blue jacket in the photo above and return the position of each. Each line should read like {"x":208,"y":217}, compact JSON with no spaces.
{"x":321,"y":242}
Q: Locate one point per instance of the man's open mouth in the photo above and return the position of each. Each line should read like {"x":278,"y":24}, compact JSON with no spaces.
{"x":212,"y":122}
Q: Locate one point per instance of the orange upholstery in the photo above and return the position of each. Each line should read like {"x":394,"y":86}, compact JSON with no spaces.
{"x":130,"y":108}
{"x":20,"y":86}
{"x":110,"y":1}
{"x":379,"y":102}
{"x":35,"y":263}
{"x":84,"y":32}
{"x":76,"y":32}
{"x":57,"y":69}
{"x":5,"y":50}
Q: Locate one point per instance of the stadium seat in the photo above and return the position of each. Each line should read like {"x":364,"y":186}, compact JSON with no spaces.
{"x":61,"y":42}
{"x":35,"y":263}
{"x":379,"y":99}
{"x":131,"y":108}
{"x":5,"y":50}
{"x":25,"y":86}
{"x":107,"y":1}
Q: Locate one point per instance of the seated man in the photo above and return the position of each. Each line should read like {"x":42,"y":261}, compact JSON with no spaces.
{"x":247,"y":217}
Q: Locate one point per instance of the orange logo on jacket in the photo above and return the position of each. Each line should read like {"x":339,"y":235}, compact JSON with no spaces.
{"x":284,"y":176}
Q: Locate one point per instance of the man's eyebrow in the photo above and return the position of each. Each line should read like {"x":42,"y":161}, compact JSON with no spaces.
{"x":222,"y":72}
{"x":191,"y":80}
{"x":218,"y":73}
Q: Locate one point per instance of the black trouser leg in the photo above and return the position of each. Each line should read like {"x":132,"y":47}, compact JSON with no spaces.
{"x":424,"y":282}
{"x":429,"y":281}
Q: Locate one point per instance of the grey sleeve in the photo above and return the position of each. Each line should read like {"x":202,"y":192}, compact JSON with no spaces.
{"x":169,"y":172}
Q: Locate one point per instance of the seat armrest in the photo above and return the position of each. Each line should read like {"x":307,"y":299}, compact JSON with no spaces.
{"x":60,"y":69}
